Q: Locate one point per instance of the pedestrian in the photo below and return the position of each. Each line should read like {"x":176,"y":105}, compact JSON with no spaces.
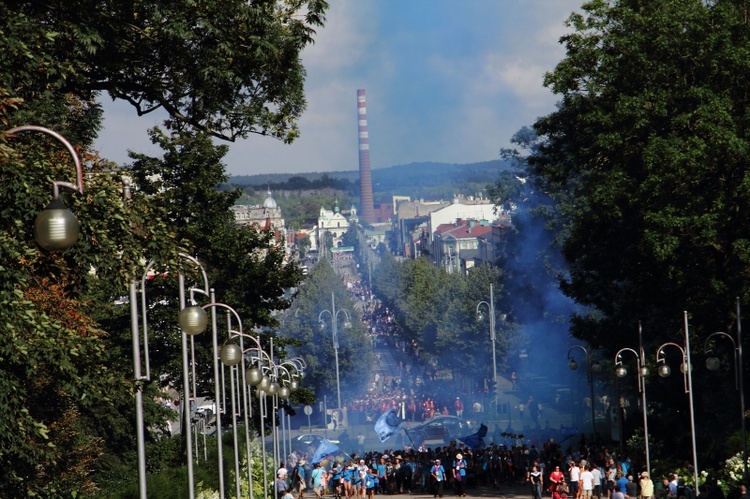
{"x":300,"y":479}
{"x":459,"y":475}
{"x":370,"y":481}
{"x":647,"y":486}
{"x":438,"y":477}
{"x":535,"y":480}
{"x":597,"y":473}
{"x":574,"y":473}
{"x":280,"y":486}
{"x":318,"y":476}
{"x":587,"y":483}
{"x":631,"y":488}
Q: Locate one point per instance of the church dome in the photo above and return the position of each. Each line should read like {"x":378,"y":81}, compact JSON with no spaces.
{"x":270,"y":202}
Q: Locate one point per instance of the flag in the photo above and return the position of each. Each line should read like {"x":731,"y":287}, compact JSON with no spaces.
{"x":388,"y":424}
{"x":475,"y":441}
{"x":325,"y":448}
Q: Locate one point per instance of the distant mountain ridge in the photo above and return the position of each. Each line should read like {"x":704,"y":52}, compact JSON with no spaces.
{"x":411,"y":177}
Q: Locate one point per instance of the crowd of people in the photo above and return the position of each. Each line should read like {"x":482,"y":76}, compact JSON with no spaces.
{"x":410,"y":384}
{"x":582,"y":471}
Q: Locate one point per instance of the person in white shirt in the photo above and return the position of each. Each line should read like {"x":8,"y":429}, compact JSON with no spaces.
{"x":597,"y":481}
{"x":575,"y":476}
{"x":587,"y":483}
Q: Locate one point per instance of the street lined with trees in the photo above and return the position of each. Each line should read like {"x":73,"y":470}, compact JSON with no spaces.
{"x":220,"y":70}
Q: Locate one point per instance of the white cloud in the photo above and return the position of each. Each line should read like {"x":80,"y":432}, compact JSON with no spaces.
{"x":430,"y":98}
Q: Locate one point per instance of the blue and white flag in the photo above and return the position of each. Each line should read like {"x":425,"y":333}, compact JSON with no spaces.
{"x":325,"y":448}
{"x":388,"y":424}
{"x":475,"y":441}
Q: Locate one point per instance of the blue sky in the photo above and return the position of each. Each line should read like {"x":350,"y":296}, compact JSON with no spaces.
{"x":446,"y":80}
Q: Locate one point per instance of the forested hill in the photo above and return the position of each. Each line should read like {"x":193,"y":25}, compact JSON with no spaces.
{"x":414,"y":179}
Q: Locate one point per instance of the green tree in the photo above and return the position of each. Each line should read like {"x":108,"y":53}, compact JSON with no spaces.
{"x":228,"y":68}
{"x":56,"y":373}
{"x":646,"y":159}
{"x":314,"y":338}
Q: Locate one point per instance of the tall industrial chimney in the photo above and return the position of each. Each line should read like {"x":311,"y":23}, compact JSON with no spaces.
{"x":365,"y":175}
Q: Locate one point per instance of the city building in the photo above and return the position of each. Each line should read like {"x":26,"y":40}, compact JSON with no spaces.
{"x":263,"y":216}
{"x":332,"y":222}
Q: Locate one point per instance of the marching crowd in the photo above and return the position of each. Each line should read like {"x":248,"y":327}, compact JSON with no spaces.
{"x":582,"y":472}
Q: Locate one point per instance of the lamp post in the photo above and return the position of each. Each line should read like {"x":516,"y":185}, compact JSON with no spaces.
{"x":687,"y":380}
{"x":230,"y":358}
{"x":713,"y":364}
{"x":265,"y":377}
{"x":590,"y":369}
{"x":335,"y":333}
{"x":491,"y":309}
{"x":56,"y":228}
{"x":621,"y":372}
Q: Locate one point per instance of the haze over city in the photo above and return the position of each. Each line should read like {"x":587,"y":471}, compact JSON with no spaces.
{"x":446,"y":81}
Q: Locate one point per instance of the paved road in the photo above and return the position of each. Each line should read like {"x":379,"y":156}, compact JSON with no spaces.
{"x":505,"y":492}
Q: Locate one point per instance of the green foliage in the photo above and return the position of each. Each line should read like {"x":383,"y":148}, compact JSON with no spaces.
{"x":301,"y":325}
{"x":438,"y":310}
{"x":183,"y":182}
{"x":646,"y":162}
{"x":229,"y":68}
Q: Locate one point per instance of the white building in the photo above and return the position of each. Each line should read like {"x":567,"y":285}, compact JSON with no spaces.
{"x":334,"y":223}
{"x":265,"y":216}
{"x":462,"y":210}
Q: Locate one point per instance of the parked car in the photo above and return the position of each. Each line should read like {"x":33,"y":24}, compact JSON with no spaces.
{"x":439,"y":429}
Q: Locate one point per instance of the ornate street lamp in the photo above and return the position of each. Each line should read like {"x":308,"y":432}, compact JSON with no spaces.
{"x":621,"y":371}
{"x":335,"y":333}
{"x":687,"y":378}
{"x":591,"y":368}
{"x":480,"y":316}
{"x":713,"y":363}
{"x":56,"y":228}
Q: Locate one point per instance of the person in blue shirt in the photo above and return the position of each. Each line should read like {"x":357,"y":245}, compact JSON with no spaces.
{"x":346,"y":479}
{"x":622,"y":484}
{"x":381,"y":475}
{"x":336,"y":472}
{"x":300,"y":478}
{"x":370,"y":481}
{"x":318,"y":477}
{"x":437,"y":473}
{"x":357,"y":485}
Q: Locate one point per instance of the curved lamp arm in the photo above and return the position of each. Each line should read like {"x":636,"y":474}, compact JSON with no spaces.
{"x":480,"y":315}
{"x":56,"y":228}
{"x":713,"y":363}
{"x":573,"y":365}
{"x":664,"y":370}
{"x":621,"y":371}
{"x":346,"y":313}
{"x":78,"y":186}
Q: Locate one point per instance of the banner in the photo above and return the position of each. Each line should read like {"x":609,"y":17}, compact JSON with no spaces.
{"x":475,"y":441}
{"x":388,"y":424}
{"x":325,"y":448}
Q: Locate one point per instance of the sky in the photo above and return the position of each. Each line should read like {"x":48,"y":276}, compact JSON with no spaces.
{"x":446,"y":81}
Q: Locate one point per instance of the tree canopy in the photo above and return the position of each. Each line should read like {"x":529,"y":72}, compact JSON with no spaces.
{"x":227,"y":68}
{"x":219,"y":69}
{"x":646,"y":160}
